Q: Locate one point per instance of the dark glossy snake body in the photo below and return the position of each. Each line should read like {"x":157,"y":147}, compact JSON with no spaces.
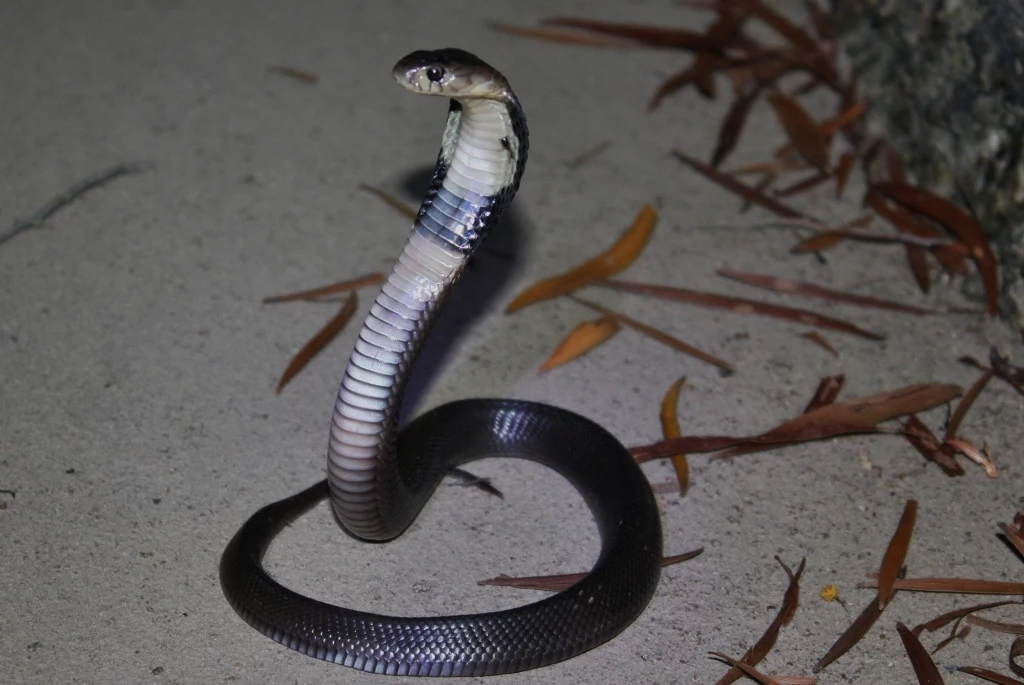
{"x":379,"y":478}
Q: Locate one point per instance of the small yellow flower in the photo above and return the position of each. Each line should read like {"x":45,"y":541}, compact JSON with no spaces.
{"x":830,"y":593}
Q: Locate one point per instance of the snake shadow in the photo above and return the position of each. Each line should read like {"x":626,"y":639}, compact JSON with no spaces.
{"x":484,"y":280}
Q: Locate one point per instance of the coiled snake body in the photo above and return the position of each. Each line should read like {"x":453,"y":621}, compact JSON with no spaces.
{"x":380,"y":478}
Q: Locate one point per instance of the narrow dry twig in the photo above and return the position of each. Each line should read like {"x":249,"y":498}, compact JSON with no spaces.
{"x":74,"y":192}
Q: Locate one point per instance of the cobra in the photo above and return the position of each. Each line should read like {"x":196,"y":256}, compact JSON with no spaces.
{"x":379,"y":477}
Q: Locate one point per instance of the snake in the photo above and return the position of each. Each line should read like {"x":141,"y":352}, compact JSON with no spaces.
{"x":380,"y":474}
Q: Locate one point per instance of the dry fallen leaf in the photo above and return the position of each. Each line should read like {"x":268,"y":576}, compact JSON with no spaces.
{"x":332,"y":289}
{"x":606,"y":264}
{"x":826,"y":392}
{"x":764,"y":645}
{"x":925,"y":669}
{"x":403,"y":208}
{"x":960,"y":223}
{"x":741,"y":305}
{"x":558,"y":583}
{"x":965,"y":404}
{"x":741,"y":189}
{"x":811,"y":290}
{"x":318,"y":341}
{"x":567,"y":37}
{"x":297,"y":74}
{"x":581,"y":340}
{"x":802,"y":130}
{"x":990,"y":676}
{"x":925,"y":442}
{"x":819,"y":340}
{"x":670,"y":429}
{"x":896,"y":553}
{"x":964,"y":586}
{"x":658,"y":335}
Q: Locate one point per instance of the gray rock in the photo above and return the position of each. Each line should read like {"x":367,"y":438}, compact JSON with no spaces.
{"x":947,"y":81}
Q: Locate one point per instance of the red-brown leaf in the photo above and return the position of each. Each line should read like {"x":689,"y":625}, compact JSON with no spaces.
{"x":816,"y":291}
{"x":741,"y":305}
{"x":925,"y":442}
{"x":826,"y":393}
{"x":960,"y":223}
{"x":820,"y":340}
{"x":332,"y":289}
{"x":802,"y":130}
{"x":654,"y":36}
{"x":657,"y":334}
{"x":965,"y":404}
{"x":991,"y":676}
{"x":318,"y":341}
{"x":731,"y":184}
{"x":843,"y":171}
{"x":764,"y":645}
{"x":926,"y":670}
{"x":733,"y":124}
{"x":852,"y":635}
{"x":896,"y":553}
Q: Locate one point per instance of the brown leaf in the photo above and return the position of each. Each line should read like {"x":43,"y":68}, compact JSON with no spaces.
{"x":925,"y":442}
{"x":332,"y":289}
{"x":951,"y":616}
{"x":297,"y":74}
{"x":795,"y":35}
{"x":926,"y":670}
{"x":811,"y":290}
{"x":733,"y":124}
{"x":802,"y":130}
{"x":658,"y":335}
{"x":581,"y":340}
{"x":819,"y":242}
{"x":960,"y":223}
{"x":997,"y":626}
{"x":896,"y":553}
{"x":1016,"y":650}
{"x":819,"y":340}
{"x":743,"y":190}
{"x":589,"y":154}
{"x":741,"y":305}
{"x":653,"y":36}
{"x":769,"y":440}
{"x":988,"y":675}
{"x":670,"y":429}
{"x":558,"y":583}
{"x":964,"y":586}
{"x":826,"y":393}
{"x":755,"y":654}
{"x":965,"y":404}
{"x":803,"y":185}
{"x":318,"y":341}
{"x":748,"y":671}
{"x":822,"y":21}
{"x":870,"y":411}
{"x":1002,"y":367}
{"x":1014,"y":535}
{"x":843,"y":119}
{"x":611,"y":261}
{"x":674,"y":84}
{"x":843,"y":171}
{"x":974,"y":454}
{"x":403,"y":208}
{"x":852,"y":635}
{"x":566,"y":37}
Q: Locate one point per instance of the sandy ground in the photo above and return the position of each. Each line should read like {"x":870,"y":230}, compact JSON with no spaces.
{"x":138,"y":424}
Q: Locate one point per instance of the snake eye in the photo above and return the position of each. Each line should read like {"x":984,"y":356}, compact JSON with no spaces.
{"x":435,"y":74}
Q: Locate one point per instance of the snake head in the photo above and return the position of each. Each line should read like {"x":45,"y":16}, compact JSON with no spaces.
{"x":451,"y":73}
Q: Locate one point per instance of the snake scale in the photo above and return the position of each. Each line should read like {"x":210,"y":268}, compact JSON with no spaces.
{"x":379,"y":477}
